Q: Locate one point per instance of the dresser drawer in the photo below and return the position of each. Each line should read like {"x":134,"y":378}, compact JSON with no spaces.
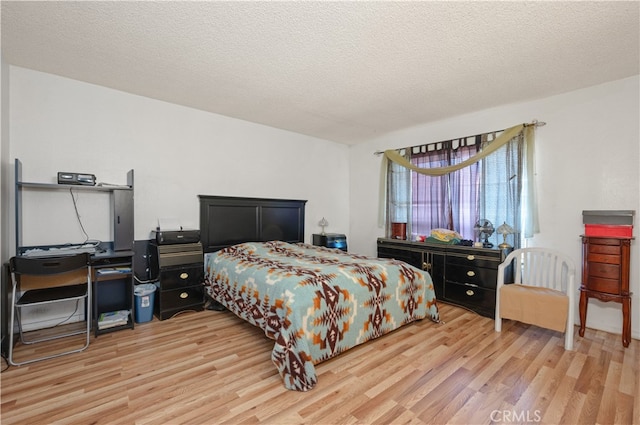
{"x":477,"y":276}
{"x":607,"y":271}
{"x":181,"y":276}
{"x":599,"y":284}
{"x":472,"y":260}
{"x":603,"y":258}
{"x":604,"y":249}
{"x":181,"y":298}
{"x":594,"y":241}
{"x":476,"y":297}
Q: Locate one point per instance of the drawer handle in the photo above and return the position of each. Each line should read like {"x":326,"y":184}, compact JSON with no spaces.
{"x":471,"y":273}
{"x":184,"y":295}
{"x":471,"y":257}
{"x":426,"y":266}
{"x":183,"y":276}
{"x":470,"y":292}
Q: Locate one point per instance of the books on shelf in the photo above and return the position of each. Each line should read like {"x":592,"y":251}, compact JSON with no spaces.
{"x":112,"y":270}
{"x":113,"y":318}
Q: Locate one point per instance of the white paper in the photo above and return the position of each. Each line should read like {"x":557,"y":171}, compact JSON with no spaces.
{"x":169,"y":224}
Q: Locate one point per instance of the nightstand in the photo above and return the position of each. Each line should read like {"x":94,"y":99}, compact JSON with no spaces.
{"x":330,"y":240}
{"x":179,"y":269}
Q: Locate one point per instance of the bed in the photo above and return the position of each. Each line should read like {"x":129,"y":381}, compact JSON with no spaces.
{"x":313,"y":302}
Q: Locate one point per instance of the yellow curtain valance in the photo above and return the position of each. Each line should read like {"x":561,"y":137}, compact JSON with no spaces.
{"x":496,"y":144}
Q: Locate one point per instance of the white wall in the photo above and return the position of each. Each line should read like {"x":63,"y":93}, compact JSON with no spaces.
{"x":177,"y":153}
{"x":587,"y":157}
{"x":58,"y":124}
{"x":4,"y":191}
{"x":4,"y":160}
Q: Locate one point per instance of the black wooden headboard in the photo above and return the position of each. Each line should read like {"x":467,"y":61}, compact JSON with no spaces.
{"x":228,"y":220}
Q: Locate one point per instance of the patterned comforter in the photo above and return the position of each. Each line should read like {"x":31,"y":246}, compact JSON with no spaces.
{"x":314,"y":302}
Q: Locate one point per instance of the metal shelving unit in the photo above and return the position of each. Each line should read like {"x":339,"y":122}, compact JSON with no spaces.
{"x":110,"y":291}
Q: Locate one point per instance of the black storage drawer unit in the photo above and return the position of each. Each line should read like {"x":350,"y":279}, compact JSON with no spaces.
{"x":177,"y":300}
{"x":179,"y":270}
{"x":461,"y":275}
{"x":178,"y":277}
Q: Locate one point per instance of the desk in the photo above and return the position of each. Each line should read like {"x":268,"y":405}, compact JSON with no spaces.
{"x":112,"y":281}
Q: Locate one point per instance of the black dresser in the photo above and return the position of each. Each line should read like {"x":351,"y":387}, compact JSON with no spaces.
{"x":462,"y":275}
{"x":179,"y":269}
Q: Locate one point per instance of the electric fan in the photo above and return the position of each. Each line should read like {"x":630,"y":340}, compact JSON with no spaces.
{"x":484,"y":229}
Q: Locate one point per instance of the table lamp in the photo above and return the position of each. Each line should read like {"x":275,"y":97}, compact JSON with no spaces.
{"x":323,"y":223}
{"x":504,"y":229}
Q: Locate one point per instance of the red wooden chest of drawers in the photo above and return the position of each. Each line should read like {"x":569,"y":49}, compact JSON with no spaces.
{"x":605,"y":276}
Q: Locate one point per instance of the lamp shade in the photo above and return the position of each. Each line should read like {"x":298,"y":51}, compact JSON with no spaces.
{"x":504,"y":229}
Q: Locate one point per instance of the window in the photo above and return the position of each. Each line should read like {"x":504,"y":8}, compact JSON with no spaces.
{"x":476,"y":185}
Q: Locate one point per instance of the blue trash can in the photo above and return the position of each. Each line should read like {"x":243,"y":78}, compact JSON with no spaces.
{"x":144,"y":302}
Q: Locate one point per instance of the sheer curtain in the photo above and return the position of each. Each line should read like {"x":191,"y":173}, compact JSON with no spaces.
{"x":453,"y":184}
{"x":464,"y":187}
{"x":398,"y":195}
{"x":449,"y":201}
{"x":429,"y":197}
{"x":502,"y":187}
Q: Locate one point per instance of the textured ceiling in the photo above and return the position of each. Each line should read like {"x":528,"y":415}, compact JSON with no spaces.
{"x":342,"y":71}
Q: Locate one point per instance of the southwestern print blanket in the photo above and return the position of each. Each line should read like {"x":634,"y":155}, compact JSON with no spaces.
{"x":316,"y":302}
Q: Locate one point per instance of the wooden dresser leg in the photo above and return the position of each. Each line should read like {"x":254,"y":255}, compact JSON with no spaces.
{"x":583,"y":312}
{"x":626,"y":321}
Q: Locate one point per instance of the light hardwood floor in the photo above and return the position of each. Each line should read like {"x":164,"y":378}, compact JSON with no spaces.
{"x":212,"y":368}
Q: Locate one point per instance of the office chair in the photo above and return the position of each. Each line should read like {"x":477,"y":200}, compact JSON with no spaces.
{"x":47,"y":280}
{"x":543,"y":293}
